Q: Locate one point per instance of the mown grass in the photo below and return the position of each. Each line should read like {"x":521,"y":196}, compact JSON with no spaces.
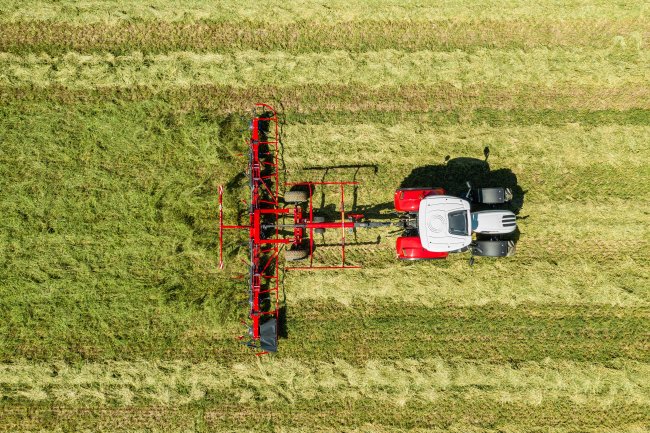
{"x":118,"y":121}
{"x":296,"y":10}
{"x":438,"y":34}
{"x":107,"y":232}
{"x":537,"y":67}
{"x":122,"y":200}
{"x":173,"y":383}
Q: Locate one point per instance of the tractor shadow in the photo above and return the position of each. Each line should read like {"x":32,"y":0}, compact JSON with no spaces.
{"x":454,"y":173}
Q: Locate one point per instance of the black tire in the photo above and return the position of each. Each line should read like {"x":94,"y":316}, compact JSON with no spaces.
{"x":295,"y":255}
{"x":319,"y":219}
{"x":494,"y":248}
{"x":296,"y":196}
{"x":496,"y":195}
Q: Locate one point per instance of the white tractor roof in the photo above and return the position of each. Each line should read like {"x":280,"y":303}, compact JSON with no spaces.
{"x":433,"y":223}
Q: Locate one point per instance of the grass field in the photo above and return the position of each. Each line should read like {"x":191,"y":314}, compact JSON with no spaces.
{"x":118,"y":121}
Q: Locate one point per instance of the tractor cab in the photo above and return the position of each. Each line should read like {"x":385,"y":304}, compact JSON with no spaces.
{"x":444,"y":223}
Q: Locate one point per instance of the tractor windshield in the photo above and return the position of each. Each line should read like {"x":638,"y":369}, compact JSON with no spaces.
{"x":458,"y":223}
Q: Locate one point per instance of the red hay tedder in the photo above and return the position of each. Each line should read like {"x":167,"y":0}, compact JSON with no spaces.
{"x":278,"y":223}
{"x":433,"y":224}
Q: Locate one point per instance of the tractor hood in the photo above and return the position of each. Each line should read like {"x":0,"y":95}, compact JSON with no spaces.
{"x":444,"y":223}
{"x":494,"y":222}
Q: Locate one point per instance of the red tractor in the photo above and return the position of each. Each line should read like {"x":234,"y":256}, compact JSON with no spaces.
{"x":436,"y":224}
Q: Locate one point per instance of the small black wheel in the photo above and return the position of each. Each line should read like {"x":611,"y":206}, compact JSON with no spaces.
{"x":319,"y":219}
{"x":295,"y":255}
{"x":295,"y":197}
{"x":494,"y":248}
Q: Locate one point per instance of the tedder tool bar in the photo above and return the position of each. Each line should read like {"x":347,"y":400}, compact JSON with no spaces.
{"x":279,"y":223}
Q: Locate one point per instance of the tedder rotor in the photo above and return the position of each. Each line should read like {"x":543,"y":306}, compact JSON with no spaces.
{"x":280,"y":222}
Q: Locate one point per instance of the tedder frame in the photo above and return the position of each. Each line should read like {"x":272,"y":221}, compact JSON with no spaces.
{"x":269,"y":232}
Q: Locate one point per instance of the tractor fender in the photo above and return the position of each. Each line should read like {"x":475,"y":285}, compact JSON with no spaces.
{"x":410,"y":248}
{"x":408,"y":199}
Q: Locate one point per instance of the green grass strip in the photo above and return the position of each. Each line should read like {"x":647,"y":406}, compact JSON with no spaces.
{"x":331,"y":98}
{"x":375,"y":329}
{"x":441,"y":415}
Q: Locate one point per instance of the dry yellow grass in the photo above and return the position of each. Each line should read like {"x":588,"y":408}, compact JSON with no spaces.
{"x":297,"y":10}
{"x":286,"y":380}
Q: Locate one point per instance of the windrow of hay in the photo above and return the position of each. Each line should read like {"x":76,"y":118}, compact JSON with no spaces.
{"x":437,"y":33}
{"x":538,"y":67}
{"x":297,"y":11}
{"x":175,"y":383}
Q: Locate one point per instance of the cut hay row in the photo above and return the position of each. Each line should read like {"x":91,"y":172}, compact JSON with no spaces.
{"x":398,"y":383}
{"x":609,"y":279}
{"x":536,"y":67}
{"x":99,"y":11}
{"x":435,"y":33}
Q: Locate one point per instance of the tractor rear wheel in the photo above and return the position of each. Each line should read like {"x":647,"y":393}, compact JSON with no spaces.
{"x":295,"y":196}
{"x":295,"y":255}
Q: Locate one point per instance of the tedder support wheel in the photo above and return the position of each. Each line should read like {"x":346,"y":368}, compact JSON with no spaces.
{"x":295,"y":196}
{"x":319,"y":219}
{"x":295,"y":255}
